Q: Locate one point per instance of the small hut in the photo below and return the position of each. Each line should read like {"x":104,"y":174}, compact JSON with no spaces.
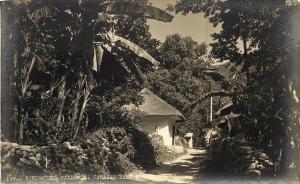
{"x":189,"y":139}
{"x":158,"y":118}
{"x":229,"y":122}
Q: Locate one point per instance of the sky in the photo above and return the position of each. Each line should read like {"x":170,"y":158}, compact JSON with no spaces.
{"x":194,"y":25}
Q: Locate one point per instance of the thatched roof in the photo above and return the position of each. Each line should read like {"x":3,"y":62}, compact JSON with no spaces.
{"x":154,"y":106}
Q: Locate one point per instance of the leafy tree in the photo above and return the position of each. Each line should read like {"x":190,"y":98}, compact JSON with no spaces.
{"x":176,"y":48}
{"x":259,"y":85}
{"x":180,"y":80}
{"x":245,"y":29}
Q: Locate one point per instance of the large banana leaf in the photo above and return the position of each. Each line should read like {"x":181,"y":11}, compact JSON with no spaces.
{"x":117,"y":40}
{"x":214,"y":75}
{"x":138,"y":73}
{"x":97,"y":58}
{"x":134,"y":8}
{"x":158,"y":14}
{"x":225,"y":109}
{"x":44,"y":12}
{"x":52,"y":8}
{"x":128,"y":64}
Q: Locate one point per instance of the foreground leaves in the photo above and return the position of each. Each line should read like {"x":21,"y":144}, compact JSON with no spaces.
{"x":122,"y":42}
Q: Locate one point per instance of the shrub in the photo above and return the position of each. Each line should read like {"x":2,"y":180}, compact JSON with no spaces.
{"x":158,"y":145}
{"x":119,"y":163}
{"x":145,"y":154}
{"x":240,"y":157}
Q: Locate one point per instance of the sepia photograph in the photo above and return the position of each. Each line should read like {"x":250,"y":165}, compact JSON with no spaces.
{"x":150,"y":91}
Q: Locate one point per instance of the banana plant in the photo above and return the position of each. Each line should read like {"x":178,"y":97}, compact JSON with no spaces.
{"x":92,"y":13}
{"x":90,"y":24}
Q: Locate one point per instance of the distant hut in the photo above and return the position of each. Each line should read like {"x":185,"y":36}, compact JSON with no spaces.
{"x":158,"y":118}
{"x":229,"y":122}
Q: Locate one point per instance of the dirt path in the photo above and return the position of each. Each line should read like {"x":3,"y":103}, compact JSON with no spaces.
{"x":185,"y":169}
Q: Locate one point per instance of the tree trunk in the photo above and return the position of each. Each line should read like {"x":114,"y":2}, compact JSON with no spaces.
{"x":245,"y":55}
{"x":19,"y":97}
{"x":63,"y":98}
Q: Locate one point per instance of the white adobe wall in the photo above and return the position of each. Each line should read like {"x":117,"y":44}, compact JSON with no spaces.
{"x":165,"y":124}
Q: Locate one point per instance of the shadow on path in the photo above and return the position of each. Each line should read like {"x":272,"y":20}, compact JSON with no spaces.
{"x":184,"y":169}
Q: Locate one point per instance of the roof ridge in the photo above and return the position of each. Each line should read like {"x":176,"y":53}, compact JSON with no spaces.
{"x":169,"y":109}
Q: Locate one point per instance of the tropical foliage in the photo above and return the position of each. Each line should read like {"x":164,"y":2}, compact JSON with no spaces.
{"x":71,"y":70}
{"x":68,"y":68}
{"x":181,"y":79}
{"x":258,"y":39}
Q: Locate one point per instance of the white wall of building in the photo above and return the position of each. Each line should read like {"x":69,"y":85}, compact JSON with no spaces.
{"x":161,"y":125}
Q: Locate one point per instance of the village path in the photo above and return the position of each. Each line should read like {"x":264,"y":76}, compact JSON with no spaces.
{"x":185,"y":169}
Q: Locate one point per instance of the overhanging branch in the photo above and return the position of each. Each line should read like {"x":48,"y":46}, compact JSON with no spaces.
{"x":221,"y":93}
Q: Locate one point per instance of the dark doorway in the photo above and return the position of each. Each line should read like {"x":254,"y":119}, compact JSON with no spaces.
{"x":173,"y":136}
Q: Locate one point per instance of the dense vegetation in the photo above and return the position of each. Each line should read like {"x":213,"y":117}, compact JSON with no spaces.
{"x":68,"y":62}
{"x":68,"y":68}
{"x":181,"y":79}
{"x":68,"y":71}
{"x":260,"y":39}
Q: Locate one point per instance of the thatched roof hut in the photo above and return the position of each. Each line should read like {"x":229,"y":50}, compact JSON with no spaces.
{"x":159,"y":117}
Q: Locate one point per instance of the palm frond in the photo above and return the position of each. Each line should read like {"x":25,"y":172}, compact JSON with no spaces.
{"x":133,"y":8}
